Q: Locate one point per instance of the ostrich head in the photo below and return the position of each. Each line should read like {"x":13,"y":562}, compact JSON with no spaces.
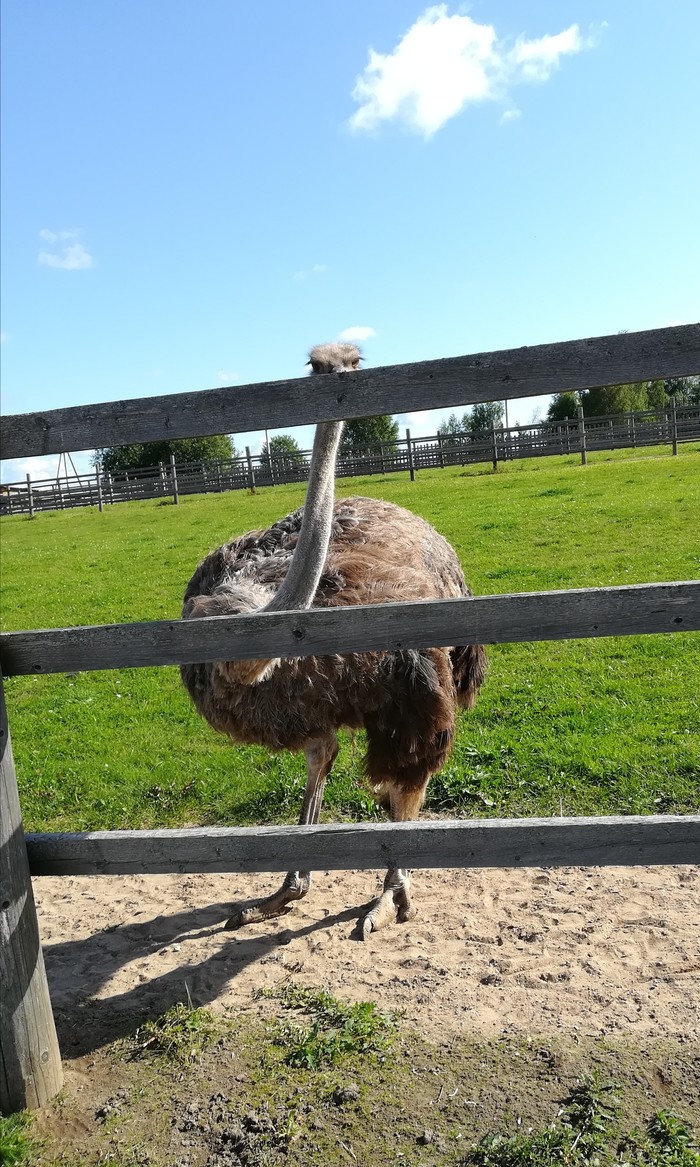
{"x":336,"y":357}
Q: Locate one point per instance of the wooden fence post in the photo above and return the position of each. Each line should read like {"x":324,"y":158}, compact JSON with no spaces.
{"x":30,"y":1061}
{"x":30,"y":496}
{"x":582,"y":435}
{"x":494,"y":447}
{"x":409,"y":447}
{"x":173,"y":474}
{"x":674,"y":424}
{"x":440,"y":452}
{"x":98,"y":476}
{"x":251,"y":472}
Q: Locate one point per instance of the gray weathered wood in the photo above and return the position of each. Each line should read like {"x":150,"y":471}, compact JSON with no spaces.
{"x":173,"y":477}
{"x":30,"y":496}
{"x":582,"y":435}
{"x":30,"y":1062}
{"x":409,"y":451}
{"x":674,"y":424}
{"x":555,"y":842}
{"x":511,"y":373}
{"x":556,"y":615}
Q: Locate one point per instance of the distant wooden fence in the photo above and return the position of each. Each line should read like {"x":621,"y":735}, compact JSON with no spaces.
{"x":652,"y":427}
{"x":30,"y":1070}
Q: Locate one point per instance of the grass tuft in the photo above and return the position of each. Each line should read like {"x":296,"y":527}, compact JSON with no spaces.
{"x":17,"y":1145}
{"x":582,"y":1136}
{"x":182,"y":1034}
{"x":337,"y":1029}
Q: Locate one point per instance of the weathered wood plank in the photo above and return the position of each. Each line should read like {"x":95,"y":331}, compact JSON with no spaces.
{"x":510,"y":373}
{"x":30,"y":1062}
{"x":556,"y":615}
{"x":555,"y":842}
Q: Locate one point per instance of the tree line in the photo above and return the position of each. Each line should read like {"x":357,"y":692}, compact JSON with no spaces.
{"x":283,"y":449}
{"x":363,"y":432}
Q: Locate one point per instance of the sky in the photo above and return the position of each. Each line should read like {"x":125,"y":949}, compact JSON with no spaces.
{"x":194,"y":194}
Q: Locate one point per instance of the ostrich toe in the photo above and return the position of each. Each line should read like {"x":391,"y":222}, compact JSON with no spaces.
{"x":295,"y":887}
{"x":394,"y":904}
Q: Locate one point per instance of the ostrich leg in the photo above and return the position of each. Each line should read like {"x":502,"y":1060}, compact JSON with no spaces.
{"x":320,"y":755}
{"x":395,"y":901}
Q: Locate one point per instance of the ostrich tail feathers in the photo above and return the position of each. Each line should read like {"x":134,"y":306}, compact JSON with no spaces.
{"x":468,"y":671}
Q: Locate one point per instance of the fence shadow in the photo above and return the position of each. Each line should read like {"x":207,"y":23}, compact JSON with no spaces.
{"x":85,"y":1022}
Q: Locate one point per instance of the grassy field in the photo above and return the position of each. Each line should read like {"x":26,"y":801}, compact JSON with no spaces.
{"x":607,"y":726}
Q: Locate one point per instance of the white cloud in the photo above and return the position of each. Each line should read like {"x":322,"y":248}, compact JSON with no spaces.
{"x":57,"y":236}
{"x":227,"y":376}
{"x":71,"y":258}
{"x":318,"y":269}
{"x":510,"y":115}
{"x":444,"y":63}
{"x":68,"y":253}
{"x":358,"y":332}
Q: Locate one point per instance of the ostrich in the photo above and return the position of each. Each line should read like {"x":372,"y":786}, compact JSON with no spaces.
{"x":353,"y":551}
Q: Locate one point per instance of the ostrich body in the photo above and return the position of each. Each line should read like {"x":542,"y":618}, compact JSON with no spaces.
{"x":335,"y":554}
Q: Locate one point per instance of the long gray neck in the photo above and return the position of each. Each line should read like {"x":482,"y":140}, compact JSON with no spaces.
{"x":298,"y":589}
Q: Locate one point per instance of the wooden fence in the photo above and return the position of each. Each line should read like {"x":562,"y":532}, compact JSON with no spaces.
{"x":652,"y":427}
{"x":30,"y":1071}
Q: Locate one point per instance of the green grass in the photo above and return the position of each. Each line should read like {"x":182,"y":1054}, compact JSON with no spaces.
{"x":182,"y":1033}
{"x":18,"y":1145}
{"x":597,"y":726}
{"x":583,"y":1135}
{"x":337,"y":1029}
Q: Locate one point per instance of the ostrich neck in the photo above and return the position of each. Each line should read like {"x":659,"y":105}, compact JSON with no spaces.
{"x":298,"y":589}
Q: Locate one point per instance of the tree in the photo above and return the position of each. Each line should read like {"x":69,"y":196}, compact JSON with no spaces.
{"x":368,"y":431}
{"x":451,"y":430}
{"x":563,"y":405}
{"x":285,"y":452}
{"x":610,"y":399}
{"x":483,"y":416}
{"x":117,"y":460}
{"x":686,"y":390}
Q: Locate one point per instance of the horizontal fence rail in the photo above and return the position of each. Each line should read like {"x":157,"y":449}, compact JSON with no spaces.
{"x":464,"y":380}
{"x":523,"y":616}
{"x":536,"y":440}
{"x":554,"y":842}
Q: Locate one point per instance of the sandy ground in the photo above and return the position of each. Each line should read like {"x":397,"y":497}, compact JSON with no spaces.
{"x":593,"y":951}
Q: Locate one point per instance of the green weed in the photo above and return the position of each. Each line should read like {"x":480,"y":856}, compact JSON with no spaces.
{"x":582,"y":1135}
{"x":182,"y":1034}
{"x":337,"y":1028}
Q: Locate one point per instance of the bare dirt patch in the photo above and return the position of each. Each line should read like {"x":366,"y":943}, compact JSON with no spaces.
{"x":587,"y":952}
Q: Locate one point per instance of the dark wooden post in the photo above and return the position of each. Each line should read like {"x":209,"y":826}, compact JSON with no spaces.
{"x":381,"y":455}
{"x":251,"y":472}
{"x":30,"y":1061}
{"x":30,"y":496}
{"x":440,"y":452}
{"x":494,"y":447}
{"x":409,"y":447}
{"x":98,"y":477}
{"x":173,"y":475}
{"x":582,"y":435}
{"x":674,"y":424}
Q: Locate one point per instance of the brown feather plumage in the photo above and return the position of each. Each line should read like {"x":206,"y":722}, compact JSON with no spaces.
{"x":406,"y":701}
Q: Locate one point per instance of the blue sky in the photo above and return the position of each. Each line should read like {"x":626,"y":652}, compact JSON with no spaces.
{"x":196,"y":193}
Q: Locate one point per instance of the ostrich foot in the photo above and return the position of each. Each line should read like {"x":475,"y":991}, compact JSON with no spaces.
{"x":393,"y":904}
{"x":295,"y":886}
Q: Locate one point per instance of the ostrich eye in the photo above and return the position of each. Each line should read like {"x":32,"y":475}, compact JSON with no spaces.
{"x":356,"y":364}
